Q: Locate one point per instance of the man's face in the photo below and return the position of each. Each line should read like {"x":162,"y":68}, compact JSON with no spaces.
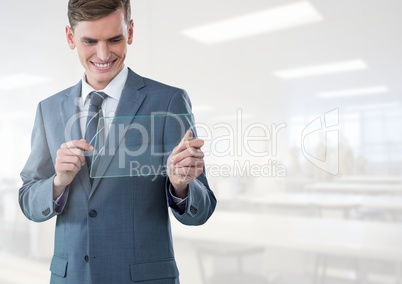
{"x":102,"y":46}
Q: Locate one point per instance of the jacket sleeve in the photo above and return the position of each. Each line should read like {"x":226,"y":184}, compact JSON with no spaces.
{"x":201,"y":201}
{"x":35,"y":197}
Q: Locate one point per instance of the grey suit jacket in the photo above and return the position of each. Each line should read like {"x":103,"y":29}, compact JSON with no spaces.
{"x":116,"y":230}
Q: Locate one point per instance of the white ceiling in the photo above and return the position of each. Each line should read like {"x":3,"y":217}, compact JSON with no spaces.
{"x":226,"y":76}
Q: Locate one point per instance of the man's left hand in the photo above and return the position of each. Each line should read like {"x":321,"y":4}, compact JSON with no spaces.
{"x":185,"y":164}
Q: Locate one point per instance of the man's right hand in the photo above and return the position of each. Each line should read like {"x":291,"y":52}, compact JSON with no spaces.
{"x":69,"y":160}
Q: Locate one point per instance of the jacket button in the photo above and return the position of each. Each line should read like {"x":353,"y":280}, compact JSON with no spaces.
{"x":93,"y":213}
{"x":86,"y":258}
{"x":193,"y":210}
{"x":46,"y":212}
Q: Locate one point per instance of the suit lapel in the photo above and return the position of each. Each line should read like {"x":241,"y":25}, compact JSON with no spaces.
{"x":70,"y":113}
{"x":130,"y":102}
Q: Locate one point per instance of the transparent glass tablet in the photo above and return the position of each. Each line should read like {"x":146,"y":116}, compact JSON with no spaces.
{"x":137,"y":145}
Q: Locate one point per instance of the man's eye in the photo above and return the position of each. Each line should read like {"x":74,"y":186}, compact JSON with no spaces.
{"x":115,"y":40}
{"x":89,"y":41}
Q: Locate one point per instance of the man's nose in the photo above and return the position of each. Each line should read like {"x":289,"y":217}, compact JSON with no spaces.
{"x":103,"y":51}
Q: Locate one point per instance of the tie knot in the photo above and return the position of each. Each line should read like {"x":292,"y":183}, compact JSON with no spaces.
{"x":97,"y":98}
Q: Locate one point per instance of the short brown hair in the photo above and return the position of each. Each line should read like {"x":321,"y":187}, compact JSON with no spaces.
{"x":89,"y":10}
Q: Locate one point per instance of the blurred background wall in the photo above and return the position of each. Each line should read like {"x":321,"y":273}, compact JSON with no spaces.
{"x":299,"y":103}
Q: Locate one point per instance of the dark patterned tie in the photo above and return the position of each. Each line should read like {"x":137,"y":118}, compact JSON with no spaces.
{"x":94,"y":132}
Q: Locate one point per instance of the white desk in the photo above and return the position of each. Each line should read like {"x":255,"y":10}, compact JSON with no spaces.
{"x":359,"y":188}
{"x":328,"y":200}
{"x":370,"y":179}
{"x":360,"y":239}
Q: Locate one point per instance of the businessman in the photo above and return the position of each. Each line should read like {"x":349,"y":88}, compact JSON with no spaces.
{"x":113,"y":224}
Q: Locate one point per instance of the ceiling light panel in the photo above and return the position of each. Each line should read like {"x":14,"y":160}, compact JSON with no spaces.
{"x":374,"y":106}
{"x":316,"y":70}
{"x":283,"y":17}
{"x":354,"y":92}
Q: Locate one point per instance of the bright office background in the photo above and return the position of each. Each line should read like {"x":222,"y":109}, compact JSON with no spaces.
{"x":325,"y":74}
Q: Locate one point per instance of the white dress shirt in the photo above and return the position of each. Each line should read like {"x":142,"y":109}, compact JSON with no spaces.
{"x":109,"y":105}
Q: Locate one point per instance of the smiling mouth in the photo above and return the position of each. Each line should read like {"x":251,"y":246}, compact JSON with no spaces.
{"x":103,"y":66}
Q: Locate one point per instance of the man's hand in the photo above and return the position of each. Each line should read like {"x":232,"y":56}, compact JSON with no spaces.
{"x":185,"y":163}
{"x":69,"y":160}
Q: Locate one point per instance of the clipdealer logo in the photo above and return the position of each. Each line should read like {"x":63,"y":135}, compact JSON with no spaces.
{"x":248,"y":150}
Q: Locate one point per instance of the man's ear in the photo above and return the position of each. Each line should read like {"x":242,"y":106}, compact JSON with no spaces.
{"x":130,"y":32}
{"x":70,"y":37}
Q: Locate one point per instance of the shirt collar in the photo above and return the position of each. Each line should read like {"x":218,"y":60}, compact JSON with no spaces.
{"x":113,"y":89}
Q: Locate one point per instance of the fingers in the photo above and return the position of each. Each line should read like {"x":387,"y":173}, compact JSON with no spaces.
{"x":188,"y":141}
{"x":73,"y":152}
{"x":69,"y":160}
{"x":187,"y":159}
{"x":188,"y":149}
{"x":77,"y":161}
{"x":63,"y":165}
{"x":70,"y":156}
{"x":187,"y":136}
{"x":186,"y":162}
{"x":77,"y":144}
{"x":189,"y":155}
{"x":189,"y":173}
